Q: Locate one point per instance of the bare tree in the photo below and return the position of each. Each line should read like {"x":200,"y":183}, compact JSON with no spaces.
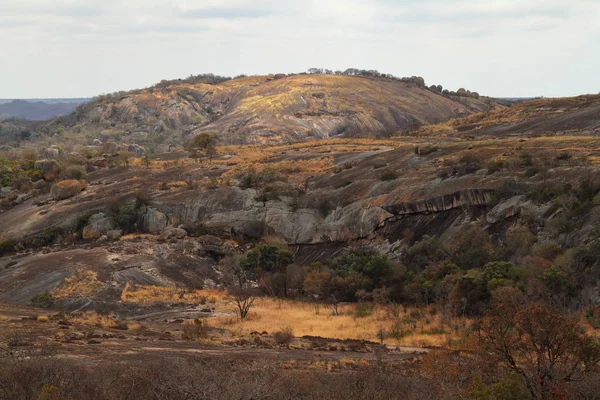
{"x":243,"y":299}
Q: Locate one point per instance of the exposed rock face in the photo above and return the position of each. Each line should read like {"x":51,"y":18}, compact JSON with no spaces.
{"x":154,"y":221}
{"x":506,"y":209}
{"x":65,"y":189}
{"x":50,"y":169}
{"x":468,"y":197}
{"x":98,"y":225}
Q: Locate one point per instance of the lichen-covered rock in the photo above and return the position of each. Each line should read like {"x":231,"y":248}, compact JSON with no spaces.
{"x":65,"y":189}
{"x":97,"y":226}
{"x":50,"y":169}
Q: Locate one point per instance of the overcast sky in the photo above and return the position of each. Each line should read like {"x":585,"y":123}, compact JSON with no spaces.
{"x":80,"y":48}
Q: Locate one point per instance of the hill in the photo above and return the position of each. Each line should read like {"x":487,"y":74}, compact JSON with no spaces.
{"x":539,"y":117}
{"x":36,"y":110}
{"x":274,"y":108}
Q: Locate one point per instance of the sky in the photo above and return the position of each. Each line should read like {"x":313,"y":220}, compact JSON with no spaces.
{"x":502,"y":48}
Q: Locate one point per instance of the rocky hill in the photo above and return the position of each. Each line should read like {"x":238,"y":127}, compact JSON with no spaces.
{"x":274,"y":108}
{"x":540,"y":117}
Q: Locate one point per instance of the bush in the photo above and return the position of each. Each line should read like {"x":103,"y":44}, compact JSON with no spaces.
{"x":284,"y":337}
{"x":363,"y":310}
{"x":42,"y":300}
{"x":76,"y":172}
{"x":389,"y":175}
{"x":194,"y":330}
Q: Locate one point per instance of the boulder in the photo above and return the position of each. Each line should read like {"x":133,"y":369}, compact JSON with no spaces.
{"x":98,"y":225}
{"x":210,"y":240}
{"x":23,"y":198}
{"x":110,"y":148}
{"x":178,"y":233}
{"x":100,"y":162}
{"x":65,"y":189}
{"x":154,"y":221}
{"x":50,"y":169}
{"x":51,"y":153}
{"x":9,"y":193}
{"x":505,"y":209}
{"x":136,"y":149}
{"x":114,"y":234}
{"x":97,"y":142}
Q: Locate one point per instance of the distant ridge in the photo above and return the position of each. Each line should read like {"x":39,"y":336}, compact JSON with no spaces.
{"x":37,"y":109}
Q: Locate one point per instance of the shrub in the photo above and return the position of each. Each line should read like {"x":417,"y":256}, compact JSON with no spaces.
{"x":284,"y":337}
{"x":194,"y":329}
{"x":426,"y":149}
{"x":496,"y":165}
{"x":43,"y":300}
{"x":363,"y":310}
{"x":76,"y":172}
{"x":389,"y":175}
{"x":126,"y":216}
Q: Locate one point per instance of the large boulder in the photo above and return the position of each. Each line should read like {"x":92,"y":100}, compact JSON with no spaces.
{"x":51,"y":153}
{"x":110,"y":148}
{"x":114,"y":234}
{"x":506,"y":209}
{"x":9,"y":193}
{"x":98,"y":225}
{"x":50,"y":169}
{"x":136,"y":149}
{"x":65,"y":189}
{"x":154,"y":221}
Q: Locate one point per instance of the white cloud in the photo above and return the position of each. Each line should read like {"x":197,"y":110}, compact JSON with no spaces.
{"x":497,"y":47}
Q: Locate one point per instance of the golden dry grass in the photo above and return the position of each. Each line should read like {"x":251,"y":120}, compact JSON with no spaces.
{"x":150,"y":294}
{"x":273,"y":315}
{"x":94,"y":319}
{"x":83,"y":283}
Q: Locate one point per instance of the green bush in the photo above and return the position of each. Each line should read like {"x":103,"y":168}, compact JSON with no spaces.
{"x":363,"y":310}
{"x":42,"y":300}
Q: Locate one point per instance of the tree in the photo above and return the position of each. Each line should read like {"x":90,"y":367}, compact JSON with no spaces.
{"x":243,"y":299}
{"x":202,"y":145}
{"x":270,"y":263}
{"x":544,"y":348}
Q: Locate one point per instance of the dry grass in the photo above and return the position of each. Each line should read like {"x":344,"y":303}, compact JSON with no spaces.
{"x":135,"y":236}
{"x":272,"y":315}
{"x":83,"y":283}
{"x":94,"y":319}
{"x":150,"y":294}
{"x":43,"y":318}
